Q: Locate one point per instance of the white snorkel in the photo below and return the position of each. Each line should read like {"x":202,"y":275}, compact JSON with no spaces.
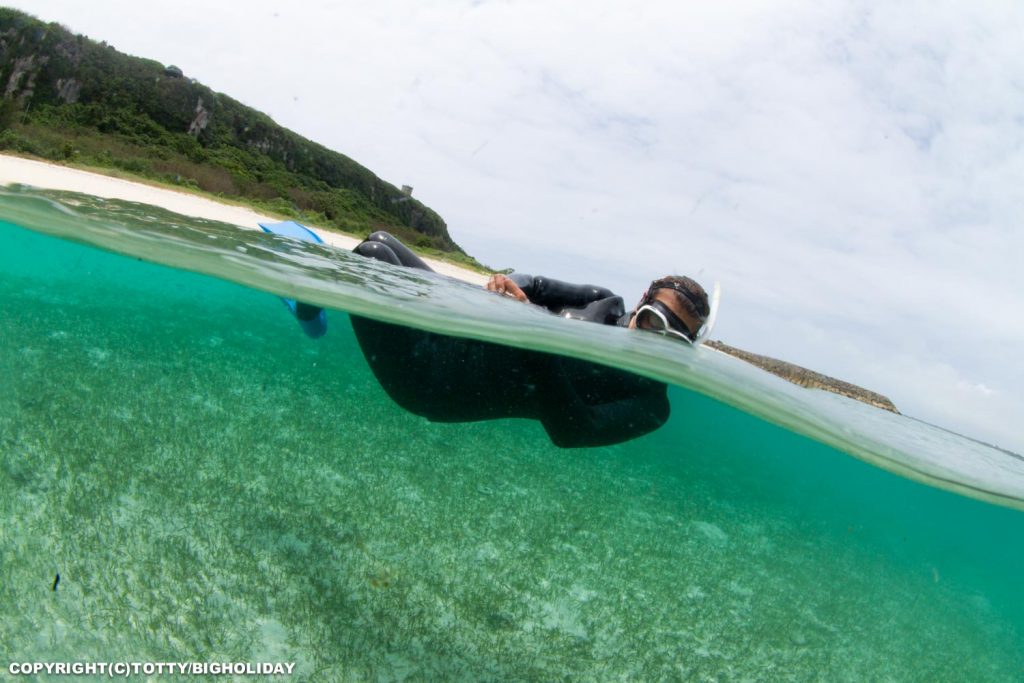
{"x":705,"y":329}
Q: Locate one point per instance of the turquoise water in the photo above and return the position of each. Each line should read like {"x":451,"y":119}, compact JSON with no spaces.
{"x":212,"y":485}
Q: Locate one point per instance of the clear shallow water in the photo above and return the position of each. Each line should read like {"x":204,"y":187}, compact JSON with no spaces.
{"x":209,"y":483}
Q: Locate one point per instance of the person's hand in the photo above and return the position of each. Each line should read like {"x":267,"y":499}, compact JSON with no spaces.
{"x":502,"y":284}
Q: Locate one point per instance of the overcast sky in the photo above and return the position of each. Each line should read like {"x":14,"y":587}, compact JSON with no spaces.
{"x":852,"y":172}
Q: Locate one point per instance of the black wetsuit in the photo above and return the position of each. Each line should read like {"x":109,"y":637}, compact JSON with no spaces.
{"x":451,"y":379}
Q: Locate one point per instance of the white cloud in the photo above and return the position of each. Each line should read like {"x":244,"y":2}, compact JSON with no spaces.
{"x":850,"y":171}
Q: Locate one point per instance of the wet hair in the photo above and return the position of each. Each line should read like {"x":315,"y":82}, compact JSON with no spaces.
{"x":690,"y":296}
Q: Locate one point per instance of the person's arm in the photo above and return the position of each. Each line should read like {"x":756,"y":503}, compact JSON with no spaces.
{"x":547,"y":292}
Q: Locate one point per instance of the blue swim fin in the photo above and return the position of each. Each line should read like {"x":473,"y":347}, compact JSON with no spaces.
{"x":316,"y":325}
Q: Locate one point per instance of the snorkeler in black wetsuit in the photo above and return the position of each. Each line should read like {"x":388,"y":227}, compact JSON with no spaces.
{"x":579,"y":403}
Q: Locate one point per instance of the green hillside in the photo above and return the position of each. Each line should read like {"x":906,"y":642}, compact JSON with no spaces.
{"x":68,"y":98}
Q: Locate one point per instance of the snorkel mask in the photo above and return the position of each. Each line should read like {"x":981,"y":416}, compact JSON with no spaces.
{"x":652,"y":315}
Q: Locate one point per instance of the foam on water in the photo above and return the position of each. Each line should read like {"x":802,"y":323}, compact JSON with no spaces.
{"x":212,"y":485}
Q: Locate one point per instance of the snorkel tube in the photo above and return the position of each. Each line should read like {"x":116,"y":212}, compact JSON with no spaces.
{"x":705,"y":329}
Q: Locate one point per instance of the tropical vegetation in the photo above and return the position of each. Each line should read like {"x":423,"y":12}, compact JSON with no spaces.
{"x":70,"y":99}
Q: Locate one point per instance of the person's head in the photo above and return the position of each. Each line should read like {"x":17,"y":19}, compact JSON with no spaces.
{"x":675,"y":305}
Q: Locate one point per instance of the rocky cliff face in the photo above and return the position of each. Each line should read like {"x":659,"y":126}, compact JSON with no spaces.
{"x":201,"y":121}
{"x":21,"y":83}
{"x":807,"y":378}
{"x":68,"y":90}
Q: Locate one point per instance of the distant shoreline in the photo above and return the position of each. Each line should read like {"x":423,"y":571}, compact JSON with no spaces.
{"x":51,"y":176}
{"x":807,"y":378}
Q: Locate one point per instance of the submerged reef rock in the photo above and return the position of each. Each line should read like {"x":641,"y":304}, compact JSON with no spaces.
{"x":807,"y":378}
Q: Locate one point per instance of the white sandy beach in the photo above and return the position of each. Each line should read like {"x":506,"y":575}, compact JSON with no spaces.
{"x":55,"y":177}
